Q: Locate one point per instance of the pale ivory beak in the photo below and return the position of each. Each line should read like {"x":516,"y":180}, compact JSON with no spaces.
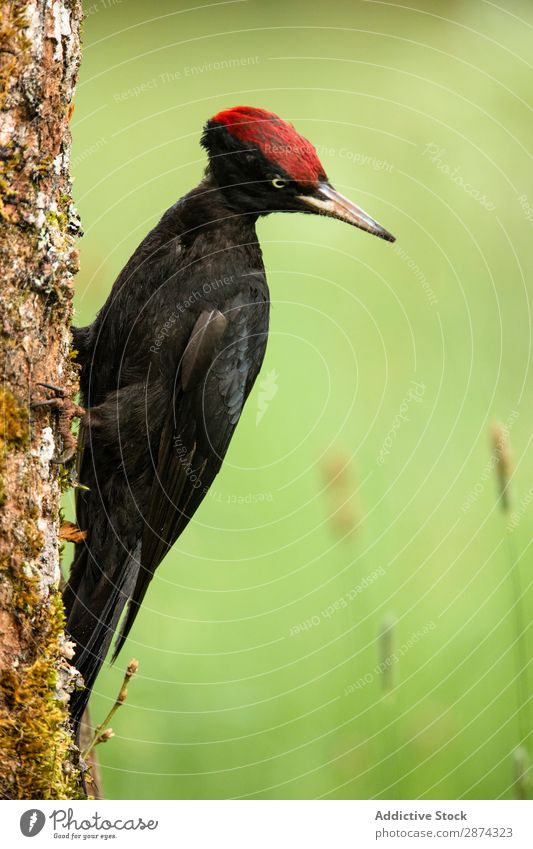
{"x":328,"y":201}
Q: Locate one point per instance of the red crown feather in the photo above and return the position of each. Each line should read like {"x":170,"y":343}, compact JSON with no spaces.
{"x":277,"y":140}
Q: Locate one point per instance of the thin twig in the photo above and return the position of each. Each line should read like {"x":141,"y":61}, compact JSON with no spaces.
{"x":102,"y":732}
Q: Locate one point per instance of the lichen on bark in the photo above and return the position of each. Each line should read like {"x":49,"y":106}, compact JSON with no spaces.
{"x":39,"y":57}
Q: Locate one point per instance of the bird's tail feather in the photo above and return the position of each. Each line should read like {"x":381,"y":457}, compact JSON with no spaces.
{"x":94,"y":599}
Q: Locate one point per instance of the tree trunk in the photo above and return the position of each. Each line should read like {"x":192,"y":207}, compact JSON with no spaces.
{"x":39,"y":56}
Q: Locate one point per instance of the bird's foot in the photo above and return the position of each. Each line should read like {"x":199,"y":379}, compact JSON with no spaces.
{"x":67,"y":410}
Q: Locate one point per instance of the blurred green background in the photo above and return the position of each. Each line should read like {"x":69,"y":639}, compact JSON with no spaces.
{"x":358,"y":493}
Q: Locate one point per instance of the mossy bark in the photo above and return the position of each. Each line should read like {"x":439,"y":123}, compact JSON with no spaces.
{"x":39,"y":57}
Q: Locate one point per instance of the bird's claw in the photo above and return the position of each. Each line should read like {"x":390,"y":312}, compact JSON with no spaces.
{"x":66,"y":456}
{"x":67,"y":410}
{"x":50,"y":402}
{"x":60,"y":392}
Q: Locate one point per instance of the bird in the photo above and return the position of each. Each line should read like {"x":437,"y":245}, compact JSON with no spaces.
{"x":168,"y":363}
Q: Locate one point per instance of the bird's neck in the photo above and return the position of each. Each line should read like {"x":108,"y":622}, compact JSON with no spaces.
{"x":207,"y":211}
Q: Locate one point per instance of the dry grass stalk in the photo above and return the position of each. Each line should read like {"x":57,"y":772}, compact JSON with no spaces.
{"x":344,"y":514}
{"x":503,"y":462}
{"x":386,"y":653}
{"x":521,"y":769}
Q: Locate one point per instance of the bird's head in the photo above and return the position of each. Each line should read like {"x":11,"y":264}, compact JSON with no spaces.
{"x":263,"y":165}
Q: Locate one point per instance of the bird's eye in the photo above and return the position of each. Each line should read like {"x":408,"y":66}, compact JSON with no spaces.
{"x":279,"y":183}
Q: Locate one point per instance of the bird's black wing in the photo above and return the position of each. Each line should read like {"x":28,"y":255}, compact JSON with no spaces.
{"x":217,"y":371}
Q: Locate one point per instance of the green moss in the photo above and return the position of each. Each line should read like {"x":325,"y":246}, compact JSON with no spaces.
{"x":14,"y":427}
{"x":57,"y":219}
{"x":45,"y":167}
{"x":33,"y":721}
{"x":34,"y":730}
{"x":10,"y":164}
{"x":14,"y":431}
{"x":33,"y":537}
